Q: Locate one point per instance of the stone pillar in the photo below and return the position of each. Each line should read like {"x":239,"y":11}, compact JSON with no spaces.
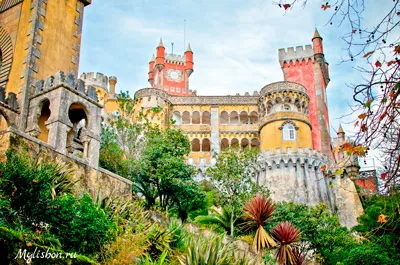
{"x":215,"y":146}
{"x":58,"y":133}
{"x":93,"y":152}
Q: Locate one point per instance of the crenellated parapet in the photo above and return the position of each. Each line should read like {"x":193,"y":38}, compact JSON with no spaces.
{"x":68,"y":81}
{"x":302,"y":156}
{"x":95,"y":79}
{"x":175,"y":59}
{"x":292,"y":55}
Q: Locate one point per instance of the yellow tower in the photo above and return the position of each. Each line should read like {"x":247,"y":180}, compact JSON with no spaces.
{"x":285,"y":122}
{"x":38,"y":38}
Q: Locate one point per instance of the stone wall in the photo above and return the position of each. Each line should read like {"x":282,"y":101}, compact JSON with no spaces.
{"x":97,"y":182}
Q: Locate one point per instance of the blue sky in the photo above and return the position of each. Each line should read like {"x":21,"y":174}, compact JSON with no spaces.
{"x":235,"y":43}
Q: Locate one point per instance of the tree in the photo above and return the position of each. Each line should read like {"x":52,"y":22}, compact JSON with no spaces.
{"x":161,"y":172}
{"x":233,"y":177}
{"x":377,"y":98}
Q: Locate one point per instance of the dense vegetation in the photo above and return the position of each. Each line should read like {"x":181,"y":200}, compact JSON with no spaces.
{"x":40,"y":212}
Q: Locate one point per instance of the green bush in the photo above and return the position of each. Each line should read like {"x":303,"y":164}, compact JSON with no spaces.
{"x":368,"y":254}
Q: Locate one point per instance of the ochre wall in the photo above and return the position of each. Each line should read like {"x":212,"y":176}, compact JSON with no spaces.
{"x":271,"y":136}
{"x":18,"y":25}
{"x":59,"y":36}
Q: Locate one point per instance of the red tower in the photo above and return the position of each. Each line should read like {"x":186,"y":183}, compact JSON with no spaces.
{"x":307,"y":66}
{"x":171,"y":72}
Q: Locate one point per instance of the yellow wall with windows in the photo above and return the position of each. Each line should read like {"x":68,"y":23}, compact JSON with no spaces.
{"x":271,"y":136}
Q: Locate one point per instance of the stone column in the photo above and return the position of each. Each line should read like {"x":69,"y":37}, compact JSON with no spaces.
{"x":58,"y":132}
{"x":215,"y":146}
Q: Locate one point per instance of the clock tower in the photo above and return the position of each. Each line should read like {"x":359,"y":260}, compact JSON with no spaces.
{"x":171,"y":72}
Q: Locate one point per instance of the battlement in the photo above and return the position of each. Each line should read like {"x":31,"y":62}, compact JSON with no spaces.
{"x":175,"y":59}
{"x":298,"y":54}
{"x":301,"y":155}
{"x":68,"y":81}
{"x":281,"y":86}
{"x":95,"y":79}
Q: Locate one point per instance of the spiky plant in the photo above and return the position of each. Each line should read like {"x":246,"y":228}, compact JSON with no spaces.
{"x":221,"y":219}
{"x":286,"y":235}
{"x":299,"y":256}
{"x":256,"y":213}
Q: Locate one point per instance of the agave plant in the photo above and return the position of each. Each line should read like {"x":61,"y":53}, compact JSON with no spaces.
{"x":287,"y":235}
{"x":256,"y":213}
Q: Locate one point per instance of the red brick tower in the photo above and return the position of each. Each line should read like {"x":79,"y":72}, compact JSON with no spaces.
{"x":171,"y":72}
{"x":307,"y":66}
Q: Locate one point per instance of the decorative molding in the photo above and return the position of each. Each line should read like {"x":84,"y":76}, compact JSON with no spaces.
{"x":7,"y":4}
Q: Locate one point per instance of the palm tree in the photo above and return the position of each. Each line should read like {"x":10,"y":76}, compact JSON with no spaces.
{"x":220,"y":218}
{"x":256,"y":212}
{"x":287,"y":235}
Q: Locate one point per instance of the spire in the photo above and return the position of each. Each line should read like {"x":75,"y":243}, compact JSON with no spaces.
{"x":153,"y":59}
{"x":189,"y":49}
{"x":340,"y":130}
{"x":161,"y":43}
{"x":316,"y":34}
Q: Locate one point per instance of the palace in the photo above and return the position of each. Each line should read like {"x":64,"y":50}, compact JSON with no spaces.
{"x":44,"y":103}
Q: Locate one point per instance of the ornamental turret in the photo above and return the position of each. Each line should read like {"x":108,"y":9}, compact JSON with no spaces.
{"x":284,"y":110}
{"x":160,"y":58}
{"x":189,"y":60}
{"x":151,"y":68}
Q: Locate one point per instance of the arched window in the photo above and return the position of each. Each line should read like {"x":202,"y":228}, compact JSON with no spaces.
{"x":234,"y":143}
{"x":206,"y":145}
{"x":234,"y":119}
{"x":186,"y":117}
{"x":44,"y":116}
{"x":253,"y":117}
{"x":255,"y":143}
{"x":286,"y":107}
{"x":206,"y":118}
{"x":244,"y":118}
{"x":196,"y":145}
{"x":224,"y":144}
{"x":224,"y":118}
{"x":244,"y":143}
{"x":289,"y":131}
{"x":196,"y":117}
{"x":78,"y":118}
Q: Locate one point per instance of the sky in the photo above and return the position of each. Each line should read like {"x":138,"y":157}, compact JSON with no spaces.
{"x":235,"y":44}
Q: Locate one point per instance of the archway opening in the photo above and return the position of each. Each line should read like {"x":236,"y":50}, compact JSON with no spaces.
{"x":244,"y":118}
{"x":3,"y":123}
{"x":234,"y":143}
{"x":44,"y":116}
{"x":186,"y":117}
{"x":244,"y":143}
{"x":253,"y":117}
{"x":224,"y":118}
{"x":255,"y":143}
{"x":77,"y":116}
{"x":206,"y":118}
{"x":234,"y":118}
{"x":196,"y":117}
{"x":224,"y":144}
{"x":196,"y":145}
{"x":206,"y":145}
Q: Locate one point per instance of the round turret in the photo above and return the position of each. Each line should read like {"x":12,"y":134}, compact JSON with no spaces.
{"x":284,"y":117}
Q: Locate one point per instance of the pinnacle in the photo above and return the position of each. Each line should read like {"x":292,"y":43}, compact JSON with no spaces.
{"x":340,"y":130}
{"x":161,"y":43}
{"x":189,"y":49}
{"x":152,"y":58}
{"x":316,"y":34}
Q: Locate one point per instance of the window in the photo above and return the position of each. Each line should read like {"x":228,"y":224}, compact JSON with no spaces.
{"x":178,"y":90}
{"x":289,"y":132}
{"x":172,"y":89}
{"x":286,"y":107}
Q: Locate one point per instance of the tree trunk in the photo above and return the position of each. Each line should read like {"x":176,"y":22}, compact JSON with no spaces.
{"x":232,"y":228}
